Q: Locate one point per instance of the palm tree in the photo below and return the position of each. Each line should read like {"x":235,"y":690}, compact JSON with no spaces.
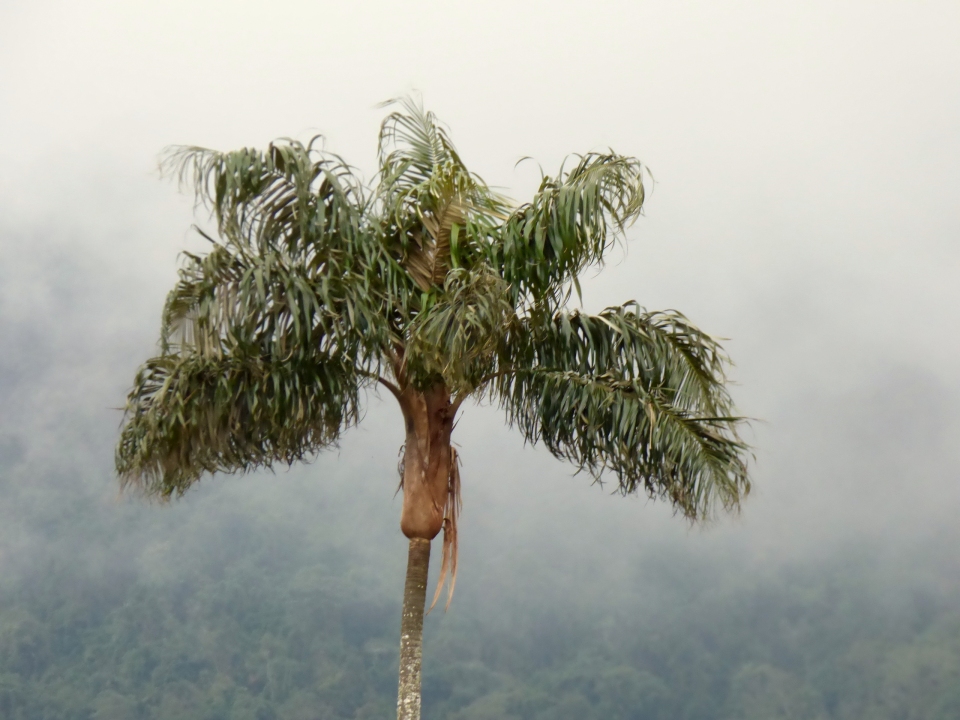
{"x":433,"y":286}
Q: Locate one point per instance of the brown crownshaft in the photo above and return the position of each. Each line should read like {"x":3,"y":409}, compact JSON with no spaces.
{"x":427,"y":460}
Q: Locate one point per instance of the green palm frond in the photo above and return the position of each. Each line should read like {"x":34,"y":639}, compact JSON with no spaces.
{"x":627,"y":342}
{"x":189,"y":414}
{"x":273,"y":304}
{"x":267,"y":339}
{"x":294,"y":258}
{"x":604,"y":425}
{"x":457,"y":336}
{"x":434,"y":210}
{"x":640,"y":395}
{"x":571,"y":222}
{"x":413,"y":144}
{"x":292,"y":193}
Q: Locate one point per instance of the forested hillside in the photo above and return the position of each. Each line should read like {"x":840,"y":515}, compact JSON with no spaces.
{"x":277,"y":597}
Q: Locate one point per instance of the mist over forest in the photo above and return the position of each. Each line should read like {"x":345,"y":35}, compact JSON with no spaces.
{"x":833,"y":595}
{"x":806,"y":162}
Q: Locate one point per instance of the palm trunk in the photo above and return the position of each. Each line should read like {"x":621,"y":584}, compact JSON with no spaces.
{"x":411,"y":629}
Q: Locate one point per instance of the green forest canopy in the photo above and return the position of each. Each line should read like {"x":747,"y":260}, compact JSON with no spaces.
{"x":226,"y":609}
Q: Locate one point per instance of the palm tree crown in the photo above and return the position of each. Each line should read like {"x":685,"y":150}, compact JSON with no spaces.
{"x":437,"y":288}
{"x":318,"y":287}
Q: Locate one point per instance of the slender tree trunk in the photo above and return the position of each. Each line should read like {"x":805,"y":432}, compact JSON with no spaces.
{"x":426,"y":482}
{"x":411,"y":629}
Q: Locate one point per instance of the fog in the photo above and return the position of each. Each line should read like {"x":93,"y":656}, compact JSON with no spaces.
{"x":806,"y":165}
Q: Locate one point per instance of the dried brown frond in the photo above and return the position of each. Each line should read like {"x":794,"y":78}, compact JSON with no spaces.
{"x":448,"y":563}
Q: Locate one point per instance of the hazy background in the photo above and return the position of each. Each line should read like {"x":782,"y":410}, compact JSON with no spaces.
{"x":807,"y":162}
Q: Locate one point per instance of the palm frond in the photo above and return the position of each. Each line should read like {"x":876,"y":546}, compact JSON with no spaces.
{"x":572,"y":221}
{"x":456,"y":336}
{"x":294,"y":259}
{"x":428,"y":257}
{"x":640,"y":395}
{"x":412,"y":144}
{"x":292,"y":194}
{"x":275,"y":305}
{"x":626,"y":342}
{"x":191,"y":414}
{"x":604,"y":425}
{"x":434,"y":210}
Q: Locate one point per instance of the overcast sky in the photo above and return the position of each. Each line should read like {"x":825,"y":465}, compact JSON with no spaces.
{"x":806,"y":156}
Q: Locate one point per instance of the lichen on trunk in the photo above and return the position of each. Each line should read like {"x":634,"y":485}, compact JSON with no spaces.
{"x":411,"y":630}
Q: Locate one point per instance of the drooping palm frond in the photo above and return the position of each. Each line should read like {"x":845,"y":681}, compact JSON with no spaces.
{"x":457,"y":335}
{"x":573,"y":219}
{"x":293,"y":259}
{"x":292,"y":194}
{"x":626,"y":342}
{"x":191,"y":414}
{"x":639,"y":395}
{"x":275,"y":304}
{"x":267,"y":339}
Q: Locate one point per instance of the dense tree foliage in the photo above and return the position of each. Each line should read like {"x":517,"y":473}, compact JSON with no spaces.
{"x":243,"y":615}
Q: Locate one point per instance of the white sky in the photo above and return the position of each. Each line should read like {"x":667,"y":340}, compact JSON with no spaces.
{"x":806,"y":154}
{"x":802,"y":150}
